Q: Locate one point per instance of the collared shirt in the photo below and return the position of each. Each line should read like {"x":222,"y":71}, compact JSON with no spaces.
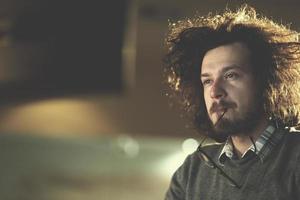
{"x":262,"y":147}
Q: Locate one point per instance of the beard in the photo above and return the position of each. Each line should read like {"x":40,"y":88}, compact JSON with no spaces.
{"x":243,"y":125}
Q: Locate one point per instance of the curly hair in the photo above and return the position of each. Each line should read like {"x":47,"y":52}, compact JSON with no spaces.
{"x":275,"y":57}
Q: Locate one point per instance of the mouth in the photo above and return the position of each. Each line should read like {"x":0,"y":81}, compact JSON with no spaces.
{"x":220,"y":113}
{"x":219,"y":109}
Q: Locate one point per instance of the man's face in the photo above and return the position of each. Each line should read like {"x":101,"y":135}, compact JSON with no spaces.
{"x":230,"y":89}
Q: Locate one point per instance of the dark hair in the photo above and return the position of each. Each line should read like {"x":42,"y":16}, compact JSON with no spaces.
{"x":275,"y":53}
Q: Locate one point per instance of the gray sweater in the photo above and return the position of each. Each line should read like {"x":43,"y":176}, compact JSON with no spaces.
{"x":277,"y":177}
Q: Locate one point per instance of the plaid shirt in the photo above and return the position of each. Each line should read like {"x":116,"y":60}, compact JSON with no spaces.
{"x":264,"y":144}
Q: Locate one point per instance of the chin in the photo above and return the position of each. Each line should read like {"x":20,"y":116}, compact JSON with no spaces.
{"x":227,"y":127}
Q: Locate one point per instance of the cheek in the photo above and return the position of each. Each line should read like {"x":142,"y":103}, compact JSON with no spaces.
{"x":248,"y":101}
{"x":207,"y":101}
{"x":244,"y":97}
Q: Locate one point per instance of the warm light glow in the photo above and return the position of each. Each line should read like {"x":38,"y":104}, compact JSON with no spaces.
{"x":56,"y":117}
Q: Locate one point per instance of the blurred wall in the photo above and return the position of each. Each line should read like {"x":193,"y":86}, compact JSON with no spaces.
{"x":142,"y":107}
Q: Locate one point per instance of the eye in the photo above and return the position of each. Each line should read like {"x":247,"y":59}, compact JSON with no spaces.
{"x":231,"y":75}
{"x":206,"y":82}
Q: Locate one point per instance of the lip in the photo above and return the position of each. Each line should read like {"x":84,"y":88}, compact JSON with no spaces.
{"x":220,"y":109}
{"x":220,"y":112}
{"x":221,"y":106}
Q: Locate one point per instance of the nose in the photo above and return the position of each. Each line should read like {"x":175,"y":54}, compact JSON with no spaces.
{"x":217,"y":91}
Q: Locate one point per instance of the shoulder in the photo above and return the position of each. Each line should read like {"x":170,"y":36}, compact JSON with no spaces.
{"x":193,"y":161}
{"x":187,"y":171}
{"x":213,"y":150}
{"x":292,"y":136}
{"x":291,"y":147}
{"x":289,"y":144}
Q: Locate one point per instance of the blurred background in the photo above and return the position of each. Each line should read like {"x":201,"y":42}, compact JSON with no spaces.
{"x":83,"y":107}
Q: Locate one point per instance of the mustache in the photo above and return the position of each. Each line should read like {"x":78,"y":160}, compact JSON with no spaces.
{"x":221,"y":105}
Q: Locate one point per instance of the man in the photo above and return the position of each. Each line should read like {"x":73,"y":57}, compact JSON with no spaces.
{"x":238,"y":76}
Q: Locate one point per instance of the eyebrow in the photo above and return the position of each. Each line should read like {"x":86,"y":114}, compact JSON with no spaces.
{"x":227,"y":68}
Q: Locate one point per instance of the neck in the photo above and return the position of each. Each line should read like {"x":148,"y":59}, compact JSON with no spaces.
{"x":242,"y":142}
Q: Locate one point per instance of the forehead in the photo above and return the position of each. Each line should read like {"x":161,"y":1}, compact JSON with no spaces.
{"x":233,"y":54}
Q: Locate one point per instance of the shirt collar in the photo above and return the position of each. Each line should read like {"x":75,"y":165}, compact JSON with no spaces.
{"x":263,"y":145}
